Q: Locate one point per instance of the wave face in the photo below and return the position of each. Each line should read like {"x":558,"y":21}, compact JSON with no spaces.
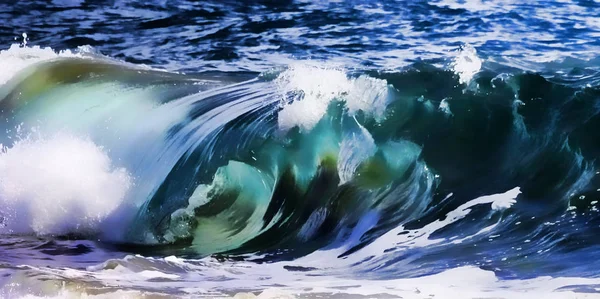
{"x":395,"y":174}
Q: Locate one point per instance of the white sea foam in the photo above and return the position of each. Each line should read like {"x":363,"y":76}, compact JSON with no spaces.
{"x":307,"y":91}
{"x":70,"y":294}
{"x":421,"y":237}
{"x":397,"y":239}
{"x":214,"y":279}
{"x":466,"y":63}
{"x":313,"y":89}
{"x":58,"y":185}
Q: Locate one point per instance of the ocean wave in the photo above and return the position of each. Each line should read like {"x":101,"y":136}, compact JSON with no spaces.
{"x":372,"y":168}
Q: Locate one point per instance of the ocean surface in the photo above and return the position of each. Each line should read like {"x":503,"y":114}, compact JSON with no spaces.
{"x":300,"y":149}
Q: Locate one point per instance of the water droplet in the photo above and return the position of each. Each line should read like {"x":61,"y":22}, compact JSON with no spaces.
{"x":24,"y":39}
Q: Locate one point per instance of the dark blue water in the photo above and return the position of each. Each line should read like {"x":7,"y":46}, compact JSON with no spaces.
{"x":255,"y":35}
{"x":183,"y":148}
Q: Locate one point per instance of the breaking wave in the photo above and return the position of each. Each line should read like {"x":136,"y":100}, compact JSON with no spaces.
{"x":425,"y":166}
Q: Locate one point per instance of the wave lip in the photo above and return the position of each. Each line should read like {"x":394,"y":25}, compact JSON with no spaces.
{"x":466,"y":63}
{"x":308,"y":90}
{"x":17,"y":58}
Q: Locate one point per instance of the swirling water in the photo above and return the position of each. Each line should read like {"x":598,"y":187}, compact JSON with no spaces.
{"x":302,"y":149}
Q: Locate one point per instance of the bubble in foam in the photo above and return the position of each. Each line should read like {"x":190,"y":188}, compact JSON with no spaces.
{"x":58,"y":185}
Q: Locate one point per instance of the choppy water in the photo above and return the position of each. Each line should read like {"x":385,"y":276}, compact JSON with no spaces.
{"x":296,"y":149}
